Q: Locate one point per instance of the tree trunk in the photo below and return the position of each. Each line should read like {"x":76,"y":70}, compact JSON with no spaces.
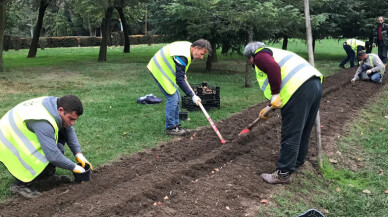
{"x":90,"y":28}
{"x":214,"y":54}
{"x":209,"y":63}
{"x":285,"y":42}
{"x":127,"y":48}
{"x":314,"y":39}
{"x":248,"y":66}
{"x":38,"y":27}
{"x":2,"y":29}
{"x":311,"y":60}
{"x":105,"y":34}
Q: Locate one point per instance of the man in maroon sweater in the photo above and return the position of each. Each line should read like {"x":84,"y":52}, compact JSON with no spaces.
{"x":294,"y":86}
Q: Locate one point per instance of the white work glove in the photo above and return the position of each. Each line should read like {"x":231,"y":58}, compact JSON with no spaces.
{"x":196,"y":99}
{"x":78,"y":169}
{"x":276,"y":102}
{"x":81,"y":159}
{"x":368,"y":71}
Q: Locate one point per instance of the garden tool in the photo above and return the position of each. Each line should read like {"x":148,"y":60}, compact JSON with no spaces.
{"x":223,"y":141}
{"x":250,"y":126}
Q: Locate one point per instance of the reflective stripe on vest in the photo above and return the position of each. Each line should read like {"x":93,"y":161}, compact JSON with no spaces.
{"x":371,"y":61}
{"x":162,"y":65}
{"x":294,"y":72}
{"x":353,"y":43}
{"x":20,"y":150}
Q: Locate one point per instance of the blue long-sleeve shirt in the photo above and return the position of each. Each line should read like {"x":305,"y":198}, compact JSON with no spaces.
{"x":180,"y":65}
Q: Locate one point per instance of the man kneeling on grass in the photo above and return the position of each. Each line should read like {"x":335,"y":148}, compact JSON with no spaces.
{"x":32,"y":138}
{"x":371,"y":68}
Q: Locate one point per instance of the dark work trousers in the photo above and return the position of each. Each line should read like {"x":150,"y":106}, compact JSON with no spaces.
{"x":350,"y":55}
{"x":382,"y":51}
{"x":298,"y":118}
{"x":50,"y":168}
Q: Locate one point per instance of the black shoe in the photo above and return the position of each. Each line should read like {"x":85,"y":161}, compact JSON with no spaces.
{"x":342,"y":66}
{"x":24,"y":190}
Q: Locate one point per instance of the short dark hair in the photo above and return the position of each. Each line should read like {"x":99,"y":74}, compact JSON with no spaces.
{"x":202,"y":43}
{"x":71,"y":103}
{"x":361,"y":53}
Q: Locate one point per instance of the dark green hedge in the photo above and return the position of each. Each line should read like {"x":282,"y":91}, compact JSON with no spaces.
{"x":12,"y":42}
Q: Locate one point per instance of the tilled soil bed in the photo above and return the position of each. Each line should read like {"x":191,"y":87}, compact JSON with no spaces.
{"x":197,"y":175}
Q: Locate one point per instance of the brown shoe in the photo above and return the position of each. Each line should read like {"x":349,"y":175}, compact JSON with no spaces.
{"x":277,"y":177}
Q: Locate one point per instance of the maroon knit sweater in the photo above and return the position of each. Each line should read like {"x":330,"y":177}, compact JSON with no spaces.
{"x":265,"y":62}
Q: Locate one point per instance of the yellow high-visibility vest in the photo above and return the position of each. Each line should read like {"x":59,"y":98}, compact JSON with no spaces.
{"x":162,"y":65}
{"x":353,"y":43}
{"x":294,"y":72}
{"x":20,"y":150}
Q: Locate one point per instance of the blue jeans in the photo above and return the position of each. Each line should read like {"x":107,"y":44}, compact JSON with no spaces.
{"x":382,"y":51}
{"x":350,"y":55}
{"x":172,"y":107}
{"x":375,"y":77}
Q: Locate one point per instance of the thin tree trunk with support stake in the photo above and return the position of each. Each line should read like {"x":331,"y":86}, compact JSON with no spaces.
{"x":311,"y":60}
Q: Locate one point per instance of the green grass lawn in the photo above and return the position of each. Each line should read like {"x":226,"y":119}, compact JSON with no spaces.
{"x":113,"y":124}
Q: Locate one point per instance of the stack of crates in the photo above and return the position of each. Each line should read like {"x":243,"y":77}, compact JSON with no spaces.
{"x":209,"y":94}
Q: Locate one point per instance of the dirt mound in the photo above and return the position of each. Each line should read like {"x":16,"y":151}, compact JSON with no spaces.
{"x":197,"y":176}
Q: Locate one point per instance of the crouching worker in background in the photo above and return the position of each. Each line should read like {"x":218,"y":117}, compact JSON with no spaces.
{"x":371,"y":68}
{"x":352,"y":47}
{"x":32,"y":138}
{"x":293,"y":86}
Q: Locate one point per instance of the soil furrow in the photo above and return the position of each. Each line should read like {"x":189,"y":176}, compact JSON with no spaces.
{"x":199,"y":176}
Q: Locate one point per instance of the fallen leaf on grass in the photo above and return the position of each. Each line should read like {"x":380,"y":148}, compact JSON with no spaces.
{"x":338,"y":189}
{"x":381,"y":129}
{"x":359,"y":159}
{"x":325,"y":211}
{"x":333,"y":161}
{"x":366,"y":191}
{"x":264,"y":201}
{"x":125,"y":133}
{"x":165,"y":197}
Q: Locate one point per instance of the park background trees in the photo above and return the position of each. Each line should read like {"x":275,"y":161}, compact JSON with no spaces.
{"x":227,"y":24}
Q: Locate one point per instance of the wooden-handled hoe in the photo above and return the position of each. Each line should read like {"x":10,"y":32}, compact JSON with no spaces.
{"x":250,"y":126}
{"x":223,"y":141}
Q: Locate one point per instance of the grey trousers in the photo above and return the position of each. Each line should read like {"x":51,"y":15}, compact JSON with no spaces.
{"x":298,"y":118}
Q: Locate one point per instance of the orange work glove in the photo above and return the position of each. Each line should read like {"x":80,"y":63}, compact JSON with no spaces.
{"x":276,"y":102}
{"x":264,"y":113}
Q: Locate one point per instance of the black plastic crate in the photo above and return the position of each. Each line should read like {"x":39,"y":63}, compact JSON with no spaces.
{"x":209,"y":94}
